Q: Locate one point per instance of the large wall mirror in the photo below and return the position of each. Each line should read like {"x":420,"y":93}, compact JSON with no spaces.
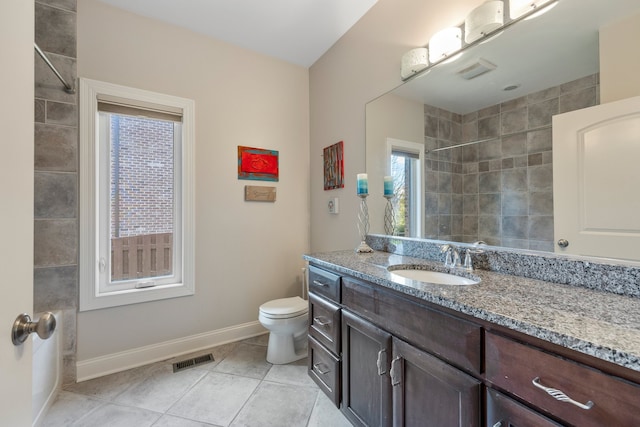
{"x":471,"y":156}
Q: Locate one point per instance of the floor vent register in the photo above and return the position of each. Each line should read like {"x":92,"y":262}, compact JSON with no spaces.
{"x":193,"y":362}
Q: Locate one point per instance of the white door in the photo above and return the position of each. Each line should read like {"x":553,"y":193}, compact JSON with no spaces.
{"x":596,"y":180}
{"x":16,"y":206}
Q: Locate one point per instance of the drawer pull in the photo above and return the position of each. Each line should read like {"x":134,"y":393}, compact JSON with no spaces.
{"x":558,"y":395}
{"x":321,"y":321}
{"x":321,"y":368}
{"x":396,"y":374}
{"x":318,"y":283}
{"x":382,"y":364}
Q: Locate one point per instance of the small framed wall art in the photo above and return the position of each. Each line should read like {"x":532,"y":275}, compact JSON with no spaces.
{"x":257,"y":164}
{"x":333,"y":157}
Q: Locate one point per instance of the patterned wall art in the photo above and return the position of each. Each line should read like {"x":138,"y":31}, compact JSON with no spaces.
{"x":257,"y":164}
{"x":333,"y":156}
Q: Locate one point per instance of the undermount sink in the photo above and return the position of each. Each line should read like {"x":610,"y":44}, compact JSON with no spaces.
{"x":430,"y":276}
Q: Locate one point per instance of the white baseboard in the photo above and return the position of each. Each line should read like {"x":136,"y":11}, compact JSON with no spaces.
{"x":117,"y":362}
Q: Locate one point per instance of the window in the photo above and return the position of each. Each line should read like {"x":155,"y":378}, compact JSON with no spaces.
{"x":406,"y":168}
{"x":136,"y":186}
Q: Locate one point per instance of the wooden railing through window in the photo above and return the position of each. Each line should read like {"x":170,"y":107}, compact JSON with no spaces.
{"x":134,"y":257}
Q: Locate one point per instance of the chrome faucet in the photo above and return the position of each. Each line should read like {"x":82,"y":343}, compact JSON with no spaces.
{"x":452,"y":255}
{"x":475,"y":249}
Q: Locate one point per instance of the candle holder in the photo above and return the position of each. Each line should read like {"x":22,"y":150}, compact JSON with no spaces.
{"x":389,"y":216}
{"x":363,"y":224}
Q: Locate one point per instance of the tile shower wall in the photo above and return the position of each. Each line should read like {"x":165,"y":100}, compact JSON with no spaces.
{"x":56,"y":173}
{"x":499,"y":190}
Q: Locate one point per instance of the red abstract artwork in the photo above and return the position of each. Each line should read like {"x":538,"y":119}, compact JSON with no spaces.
{"x":257,"y":164}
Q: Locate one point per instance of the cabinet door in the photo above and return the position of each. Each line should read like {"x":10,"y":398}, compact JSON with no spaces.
{"x":503,"y":411}
{"x":430,"y":392}
{"x":366,"y":387}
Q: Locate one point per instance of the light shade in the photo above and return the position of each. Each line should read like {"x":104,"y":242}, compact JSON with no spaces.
{"x":483,"y":19}
{"x":444,"y":43}
{"x":413,"y":62}
{"x":517,"y":8}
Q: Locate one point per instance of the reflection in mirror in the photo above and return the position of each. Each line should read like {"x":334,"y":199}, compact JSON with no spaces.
{"x":487,"y":142}
{"x":407,"y":171}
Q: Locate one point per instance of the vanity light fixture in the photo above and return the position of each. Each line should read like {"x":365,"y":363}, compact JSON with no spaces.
{"x":483,"y":20}
{"x":413,"y":62}
{"x":445,"y":42}
{"x":517,"y":8}
{"x":483,"y":24}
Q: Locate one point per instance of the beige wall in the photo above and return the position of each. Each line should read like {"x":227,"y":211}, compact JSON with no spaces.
{"x":619,"y":60}
{"x":362,"y":65}
{"x":397,"y":118}
{"x":246,"y":252}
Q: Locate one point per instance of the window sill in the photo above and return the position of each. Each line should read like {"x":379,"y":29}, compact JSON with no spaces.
{"x":132,"y":296}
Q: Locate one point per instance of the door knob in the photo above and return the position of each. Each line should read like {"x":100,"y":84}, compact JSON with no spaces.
{"x":563,"y":243}
{"x":23,"y":326}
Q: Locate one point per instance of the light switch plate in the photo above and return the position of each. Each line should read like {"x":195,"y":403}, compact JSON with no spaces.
{"x":334,"y":206}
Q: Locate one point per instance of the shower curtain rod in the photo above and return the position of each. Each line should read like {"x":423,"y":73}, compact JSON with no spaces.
{"x":464,"y":144}
{"x":67,"y":86}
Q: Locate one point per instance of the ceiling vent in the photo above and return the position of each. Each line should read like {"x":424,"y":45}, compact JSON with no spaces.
{"x":476,"y":69}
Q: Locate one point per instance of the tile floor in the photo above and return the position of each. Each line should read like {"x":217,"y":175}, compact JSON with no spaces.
{"x":240,"y":388}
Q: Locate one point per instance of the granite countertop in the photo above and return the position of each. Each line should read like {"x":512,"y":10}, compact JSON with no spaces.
{"x":597,"y":323}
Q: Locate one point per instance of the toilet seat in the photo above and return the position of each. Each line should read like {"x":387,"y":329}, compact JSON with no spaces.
{"x":284,"y":308}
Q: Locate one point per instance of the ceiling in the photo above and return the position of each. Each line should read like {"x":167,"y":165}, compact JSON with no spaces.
{"x":295,"y":31}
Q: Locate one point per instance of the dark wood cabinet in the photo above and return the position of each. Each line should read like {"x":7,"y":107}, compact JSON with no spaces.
{"x":430,"y":392}
{"x":324,"y":369}
{"x":576,"y":394}
{"x":502,"y":411}
{"x":450,"y":338}
{"x":324,"y":283}
{"x":386,"y":358}
{"x":324,"y":332}
{"x":324,"y":322}
{"x":366,"y":385}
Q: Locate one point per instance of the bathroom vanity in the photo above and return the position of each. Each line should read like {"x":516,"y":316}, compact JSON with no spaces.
{"x":509,"y":350}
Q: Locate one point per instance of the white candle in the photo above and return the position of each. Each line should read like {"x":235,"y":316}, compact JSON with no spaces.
{"x":363,"y":184}
{"x":388,"y":186}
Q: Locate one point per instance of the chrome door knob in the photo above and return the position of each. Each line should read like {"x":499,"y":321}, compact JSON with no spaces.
{"x":563,"y":243}
{"x":23,"y":326}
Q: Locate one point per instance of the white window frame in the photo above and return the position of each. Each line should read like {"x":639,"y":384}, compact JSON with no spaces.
{"x":92,"y":296}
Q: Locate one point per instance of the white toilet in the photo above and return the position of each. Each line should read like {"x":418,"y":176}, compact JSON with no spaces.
{"x":287,"y":320}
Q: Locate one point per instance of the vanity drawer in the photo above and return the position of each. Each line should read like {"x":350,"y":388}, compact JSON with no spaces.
{"x":502,"y":411}
{"x":513,"y":367}
{"x":324,"y":369}
{"x":452,"y":339}
{"x":324,"y":283}
{"x":324,"y":322}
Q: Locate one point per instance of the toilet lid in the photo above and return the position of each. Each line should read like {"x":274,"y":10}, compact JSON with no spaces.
{"x":284,"y":308}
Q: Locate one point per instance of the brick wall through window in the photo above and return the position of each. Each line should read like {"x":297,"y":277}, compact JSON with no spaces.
{"x":141,"y":176}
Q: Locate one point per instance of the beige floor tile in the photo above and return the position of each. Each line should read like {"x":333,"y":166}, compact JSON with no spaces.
{"x":171,"y":421}
{"x":258,"y":340}
{"x":326,"y":414}
{"x":68,"y":408}
{"x":111,"y":415}
{"x":110,"y":386}
{"x":247,"y":360}
{"x":161,"y":389}
{"x":277,"y":405}
{"x":293,"y":373}
{"x":216,"y":399}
